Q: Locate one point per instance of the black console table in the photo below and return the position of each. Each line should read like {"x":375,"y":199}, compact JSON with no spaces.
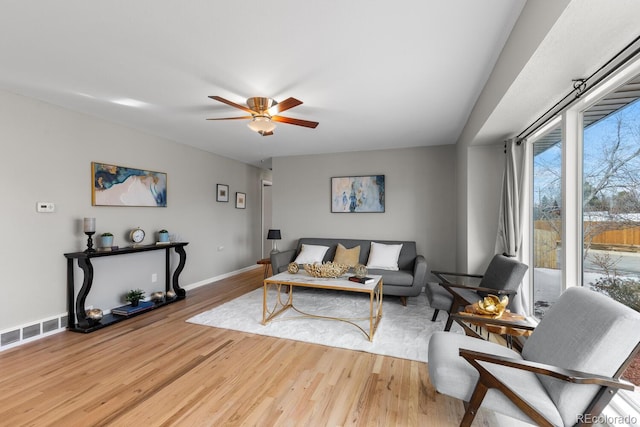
{"x":76,"y":306}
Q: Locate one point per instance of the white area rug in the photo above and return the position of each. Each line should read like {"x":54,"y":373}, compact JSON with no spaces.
{"x":403,"y":332}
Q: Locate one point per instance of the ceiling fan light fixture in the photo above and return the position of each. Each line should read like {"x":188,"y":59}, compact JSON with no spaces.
{"x":261,"y":124}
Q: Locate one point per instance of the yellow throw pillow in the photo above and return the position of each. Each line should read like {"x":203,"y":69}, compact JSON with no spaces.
{"x":346,"y":256}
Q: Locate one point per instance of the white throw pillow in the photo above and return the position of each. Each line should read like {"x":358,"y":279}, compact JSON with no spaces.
{"x":384,"y":257}
{"x":310,"y":254}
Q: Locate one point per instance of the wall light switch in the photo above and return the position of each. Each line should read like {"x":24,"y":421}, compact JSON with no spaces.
{"x":46,"y":207}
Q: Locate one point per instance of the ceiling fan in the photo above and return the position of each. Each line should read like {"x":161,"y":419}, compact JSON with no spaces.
{"x":264,"y":113}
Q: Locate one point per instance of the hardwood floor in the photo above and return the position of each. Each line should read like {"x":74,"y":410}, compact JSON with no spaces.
{"x":158,"y":370}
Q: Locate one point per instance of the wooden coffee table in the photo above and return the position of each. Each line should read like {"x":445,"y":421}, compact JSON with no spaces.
{"x":285,"y":283}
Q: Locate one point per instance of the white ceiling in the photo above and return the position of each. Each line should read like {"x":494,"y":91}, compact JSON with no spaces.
{"x":375,"y":74}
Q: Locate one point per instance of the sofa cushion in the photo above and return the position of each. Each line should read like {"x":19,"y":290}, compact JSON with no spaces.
{"x":310,"y":254}
{"x":439,"y":298}
{"x":384,"y":257}
{"x":406,"y":260}
{"x":397,"y":278}
{"x":346,"y":256}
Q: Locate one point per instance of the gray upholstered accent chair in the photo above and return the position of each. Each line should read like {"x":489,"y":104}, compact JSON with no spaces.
{"x":502,"y":277}
{"x":568,"y":371}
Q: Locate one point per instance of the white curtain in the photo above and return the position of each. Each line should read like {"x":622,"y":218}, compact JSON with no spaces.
{"x":512,"y":208}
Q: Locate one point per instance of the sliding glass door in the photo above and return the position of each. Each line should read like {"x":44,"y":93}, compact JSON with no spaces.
{"x":547,"y":220}
{"x":611,"y":195}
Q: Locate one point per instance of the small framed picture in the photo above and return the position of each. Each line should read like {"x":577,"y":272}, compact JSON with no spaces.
{"x":241,"y":199}
{"x":222,"y":193}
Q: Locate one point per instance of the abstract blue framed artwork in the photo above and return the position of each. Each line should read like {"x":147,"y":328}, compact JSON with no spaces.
{"x":352,"y":194}
{"x":122,"y":186}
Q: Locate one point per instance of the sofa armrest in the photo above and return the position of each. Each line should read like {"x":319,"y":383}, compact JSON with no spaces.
{"x":281,"y":259}
{"x":420,"y":271}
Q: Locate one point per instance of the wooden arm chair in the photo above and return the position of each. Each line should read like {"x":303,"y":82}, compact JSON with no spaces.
{"x":502,"y":277}
{"x":567,"y":373}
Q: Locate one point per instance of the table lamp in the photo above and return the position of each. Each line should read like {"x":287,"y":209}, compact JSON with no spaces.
{"x":274,"y":235}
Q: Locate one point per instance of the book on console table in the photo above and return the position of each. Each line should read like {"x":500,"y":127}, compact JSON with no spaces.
{"x":128,"y":310}
{"x":364,"y":280}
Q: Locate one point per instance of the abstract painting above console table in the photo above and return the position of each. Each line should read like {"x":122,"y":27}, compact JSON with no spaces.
{"x":123,"y":186}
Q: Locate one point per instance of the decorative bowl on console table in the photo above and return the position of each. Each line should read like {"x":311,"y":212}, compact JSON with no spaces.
{"x":157,"y":296}
{"x":94,"y":315}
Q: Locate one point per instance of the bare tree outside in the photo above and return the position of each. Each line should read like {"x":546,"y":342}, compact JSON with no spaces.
{"x":611,"y":205}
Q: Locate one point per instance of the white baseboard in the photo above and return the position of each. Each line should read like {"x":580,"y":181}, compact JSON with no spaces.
{"x":220,"y":277}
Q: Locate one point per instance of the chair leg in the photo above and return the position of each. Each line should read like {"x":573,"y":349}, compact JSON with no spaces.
{"x":455,"y":306}
{"x":447,"y":326}
{"x":473,"y":405}
{"x":403,"y":300}
{"x":435,"y":315}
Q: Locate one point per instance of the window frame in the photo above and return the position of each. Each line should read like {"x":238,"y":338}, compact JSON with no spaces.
{"x":571,"y":120}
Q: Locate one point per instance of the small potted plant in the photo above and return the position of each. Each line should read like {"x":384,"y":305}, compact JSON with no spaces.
{"x":106,"y":240}
{"x":134,"y":296}
{"x":163,"y":236}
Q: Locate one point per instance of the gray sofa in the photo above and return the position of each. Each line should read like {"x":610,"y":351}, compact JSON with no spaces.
{"x":408,"y":281}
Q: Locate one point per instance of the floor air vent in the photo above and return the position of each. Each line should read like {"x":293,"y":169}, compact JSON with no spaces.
{"x":19,"y":335}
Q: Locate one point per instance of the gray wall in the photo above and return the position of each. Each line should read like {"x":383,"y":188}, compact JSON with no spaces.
{"x":484,"y":172}
{"x":46,"y":155}
{"x":420,"y":199}
{"x":533,"y":25}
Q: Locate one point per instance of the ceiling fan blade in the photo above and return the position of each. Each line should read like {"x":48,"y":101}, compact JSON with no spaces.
{"x":233,"y":118}
{"x":265,"y":133}
{"x":298,"y":122}
{"x":284,"y":106}
{"x":233,"y":104}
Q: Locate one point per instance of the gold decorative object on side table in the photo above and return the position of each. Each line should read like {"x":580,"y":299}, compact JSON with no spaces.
{"x":491,"y":305}
{"x":328,"y":269}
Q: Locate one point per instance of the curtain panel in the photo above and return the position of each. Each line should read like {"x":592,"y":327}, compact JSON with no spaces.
{"x":512,"y":208}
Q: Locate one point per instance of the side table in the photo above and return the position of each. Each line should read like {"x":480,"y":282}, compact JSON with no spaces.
{"x":508,"y":325}
{"x":266,"y":263}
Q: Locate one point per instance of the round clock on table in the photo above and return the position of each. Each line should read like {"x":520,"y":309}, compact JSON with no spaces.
{"x":137,"y":235}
